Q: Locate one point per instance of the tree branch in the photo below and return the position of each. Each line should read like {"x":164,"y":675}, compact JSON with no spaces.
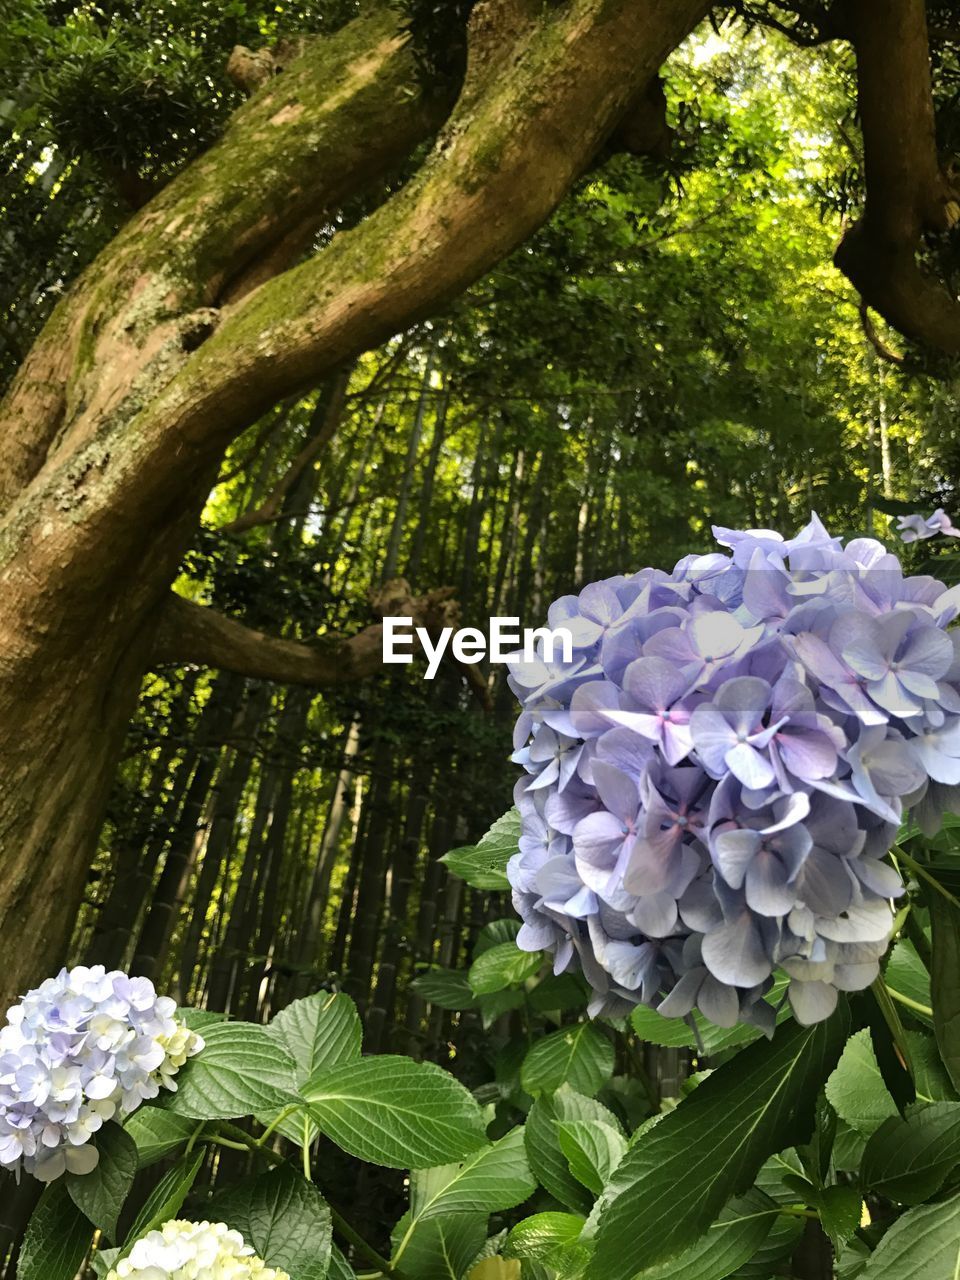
{"x":908,"y":195}
{"x":194,"y":634}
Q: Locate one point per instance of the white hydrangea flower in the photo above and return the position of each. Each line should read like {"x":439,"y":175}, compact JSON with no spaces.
{"x":193,"y":1251}
{"x":83,"y":1048}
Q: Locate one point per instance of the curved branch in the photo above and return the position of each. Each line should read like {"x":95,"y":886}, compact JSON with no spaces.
{"x":907,"y":192}
{"x":189,"y":633}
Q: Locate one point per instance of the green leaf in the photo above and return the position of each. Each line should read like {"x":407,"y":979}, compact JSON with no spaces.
{"x":906,"y":974}
{"x":493,"y":932}
{"x":548,"y":1238}
{"x":283,"y":1218}
{"x":944,"y":988}
{"x":340,"y":1268}
{"x":442,"y":1248}
{"x":922,"y":1245}
{"x":445,"y":988}
{"x":910,"y":1159}
{"x":559,"y":992}
{"x":484,"y":865}
{"x":57,"y":1238}
{"x":676,"y":1178}
{"x":856,"y":1090}
{"x":504,"y":965}
{"x":542,"y":1141}
{"x":392,"y":1111}
{"x":242,"y":1071}
{"x":593,"y":1150}
{"x":581,"y":1056}
{"x":494,"y":1178}
{"x":740,"y":1230}
{"x":157,"y":1132}
{"x":930,"y":1075}
{"x":839,"y":1208}
{"x":320,"y":1031}
{"x":166,"y":1199}
{"x":200,"y":1019}
{"x":100,"y":1194}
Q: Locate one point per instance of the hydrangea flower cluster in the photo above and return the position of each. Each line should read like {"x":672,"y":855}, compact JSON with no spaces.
{"x":193,"y":1251}
{"x":83,"y":1048}
{"x":714,"y":779}
{"x":918,"y":527}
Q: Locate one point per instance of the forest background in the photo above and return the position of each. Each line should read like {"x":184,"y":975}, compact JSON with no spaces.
{"x":672,"y":349}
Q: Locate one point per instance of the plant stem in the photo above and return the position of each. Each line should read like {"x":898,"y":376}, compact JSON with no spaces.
{"x":361,"y":1245}
{"x":278,"y":1120}
{"x":915,"y":1005}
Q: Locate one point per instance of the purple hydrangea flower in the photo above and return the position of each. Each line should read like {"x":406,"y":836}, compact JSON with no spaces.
{"x":83,"y":1048}
{"x":917,"y":527}
{"x":714,"y":780}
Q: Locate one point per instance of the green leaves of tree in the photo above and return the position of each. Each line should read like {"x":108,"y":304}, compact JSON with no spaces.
{"x":484,"y":865}
{"x":581,"y":1056}
{"x":494,"y":1178}
{"x":284,"y":1218}
{"x":393,"y":1111}
{"x":242,"y":1071}
{"x":661,"y":1197}
{"x":740,"y":1230}
{"x":593,"y":1150}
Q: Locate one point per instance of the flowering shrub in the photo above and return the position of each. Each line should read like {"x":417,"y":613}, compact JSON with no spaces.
{"x":82,"y":1048}
{"x":193,"y":1251}
{"x":715,"y":778}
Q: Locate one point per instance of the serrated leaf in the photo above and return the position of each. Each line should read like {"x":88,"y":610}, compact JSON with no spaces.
{"x":504,"y":965}
{"x":559,"y":992}
{"x":322,"y":1030}
{"x":910,"y":1159}
{"x":663,"y":1196}
{"x":933,"y":1084}
{"x":484,"y":865}
{"x":906,"y":974}
{"x":445,"y":988}
{"x":593,"y":1150}
{"x":839,"y":1208}
{"x":548,"y":1238}
{"x":856,"y":1090}
{"x":542,"y":1141}
{"x":57,"y":1238}
{"x":740,"y":1230}
{"x":166,"y":1199}
{"x":494,"y":1178}
{"x":101,"y":1193}
{"x":494,"y":932}
{"x":945,"y":990}
{"x":242,"y":1071}
{"x":581,"y":1056}
{"x":442,"y":1248}
{"x":340,"y":1268}
{"x":283,"y":1218}
{"x":157,"y":1132}
{"x":922,"y":1245}
{"x":392,"y":1111}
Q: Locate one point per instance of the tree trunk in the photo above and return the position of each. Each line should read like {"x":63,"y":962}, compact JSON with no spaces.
{"x":192,"y":324}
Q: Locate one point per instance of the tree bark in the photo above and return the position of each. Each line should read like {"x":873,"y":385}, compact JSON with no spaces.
{"x":116,"y":424}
